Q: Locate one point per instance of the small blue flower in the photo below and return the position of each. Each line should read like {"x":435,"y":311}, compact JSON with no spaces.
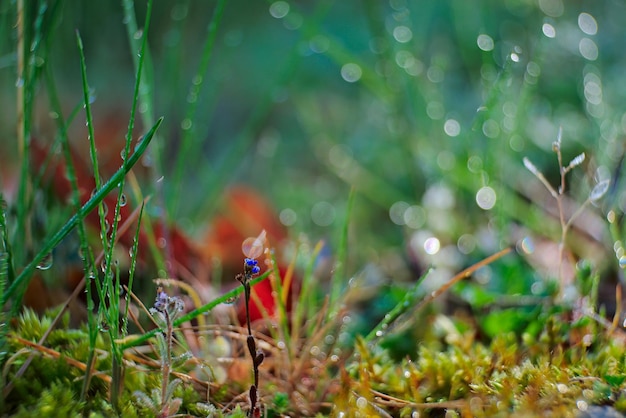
{"x":250,"y":267}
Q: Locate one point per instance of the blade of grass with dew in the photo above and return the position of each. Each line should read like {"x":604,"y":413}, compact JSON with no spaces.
{"x":77,"y":290}
{"x":306,"y":302}
{"x":131,"y":272}
{"x":337,"y":280}
{"x":106,"y":289}
{"x":5,"y":277}
{"x":5,"y":244}
{"x":189,"y":144}
{"x":112,"y":308}
{"x":92,"y":140}
{"x":24,"y":277}
{"x":85,"y":248}
{"x":129,"y":133}
{"x":228,"y":296}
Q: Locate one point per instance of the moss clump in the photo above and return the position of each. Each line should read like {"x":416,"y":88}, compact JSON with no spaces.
{"x":501,"y":378}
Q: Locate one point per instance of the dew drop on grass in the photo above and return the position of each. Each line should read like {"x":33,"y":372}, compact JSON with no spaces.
{"x":599,"y":190}
{"x":123,"y":200}
{"x":361,"y":403}
{"x":46,"y":262}
{"x":230,"y":300}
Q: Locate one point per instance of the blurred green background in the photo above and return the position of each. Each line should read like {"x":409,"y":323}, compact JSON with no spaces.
{"x":426,"y":108}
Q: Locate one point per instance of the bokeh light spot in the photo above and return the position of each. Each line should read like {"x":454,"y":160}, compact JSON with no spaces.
{"x":402,"y":34}
{"x":587,"y":24}
{"x":323,"y":213}
{"x":452,"y":127}
{"x":486,"y":198}
{"x":279,"y":9}
{"x":351,"y":72}
{"x":414,"y":217}
{"x":466,"y":243}
{"x":396,"y":212}
{"x":548,"y":30}
{"x":432,"y":245}
{"x":288,"y":217}
{"x":588,"y":49}
{"x":485,"y":42}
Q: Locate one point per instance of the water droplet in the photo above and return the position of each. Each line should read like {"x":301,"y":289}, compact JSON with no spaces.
{"x":230,"y":300}
{"x":599,"y":190}
{"x":379,"y":333}
{"x":138,"y":34}
{"x":19,"y":83}
{"x":46,"y":262}
{"x":252,"y":247}
{"x":361,"y":403}
{"x":526,"y":246}
{"x":123,"y":200}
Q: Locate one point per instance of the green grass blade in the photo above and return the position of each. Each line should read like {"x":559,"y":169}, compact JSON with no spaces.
{"x":91,"y":135}
{"x":5,"y":245}
{"x":24,"y":277}
{"x":408,"y":302}
{"x":133,"y":266}
{"x":338,"y":278}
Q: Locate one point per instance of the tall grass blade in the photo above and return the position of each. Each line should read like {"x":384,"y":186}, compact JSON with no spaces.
{"x":24,"y":277}
{"x":338,"y":281}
